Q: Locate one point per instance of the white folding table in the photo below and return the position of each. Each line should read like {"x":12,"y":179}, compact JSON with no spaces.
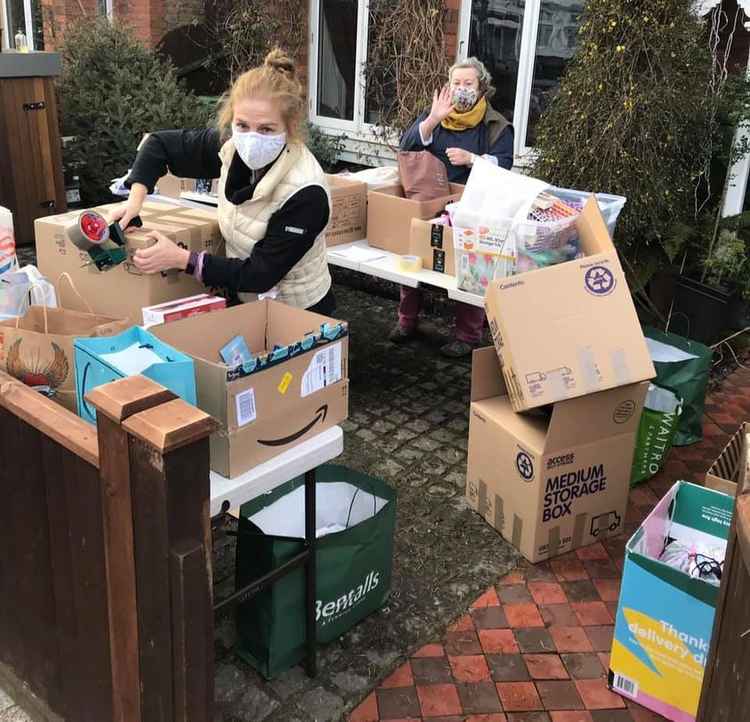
{"x":385,"y":266}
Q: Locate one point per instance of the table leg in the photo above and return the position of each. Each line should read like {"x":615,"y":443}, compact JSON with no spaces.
{"x":311,"y":661}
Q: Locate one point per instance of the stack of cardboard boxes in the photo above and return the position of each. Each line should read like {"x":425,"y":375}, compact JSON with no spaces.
{"x":555,"y":406}
{"x":121,"y":291}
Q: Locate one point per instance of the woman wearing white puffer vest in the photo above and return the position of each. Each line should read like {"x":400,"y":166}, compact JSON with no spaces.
{"x":273,"y":203}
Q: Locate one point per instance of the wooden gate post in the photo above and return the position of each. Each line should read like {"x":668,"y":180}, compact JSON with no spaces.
{"x":154,"y":460}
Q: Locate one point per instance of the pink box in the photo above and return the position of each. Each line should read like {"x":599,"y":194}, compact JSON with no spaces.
{"x":182,"y":308}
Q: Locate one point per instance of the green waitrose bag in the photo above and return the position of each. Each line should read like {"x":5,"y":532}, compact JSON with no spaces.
{"x":355,"y":522}
{"x":683,"y":366}
{"x":656,"y":431}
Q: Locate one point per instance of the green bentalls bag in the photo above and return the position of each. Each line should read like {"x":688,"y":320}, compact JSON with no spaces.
{"x":355,"y":522}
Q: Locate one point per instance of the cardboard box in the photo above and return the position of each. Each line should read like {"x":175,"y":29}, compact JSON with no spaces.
{"x":172,"y":186}
{"x":571,"y":329}
{"x":122,"y":291}
{"x":296,"y":387}
{"x":433,"y":243}
{"x":183,"y":308}
{"x":389,"y":216}
{"x":550,"y":482}
{"x":665,"y":616}
{"x":726,"y":472}
{"x":348,"y":211}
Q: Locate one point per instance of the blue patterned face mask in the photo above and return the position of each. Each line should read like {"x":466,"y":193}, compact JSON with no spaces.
{"x":464,"y":98}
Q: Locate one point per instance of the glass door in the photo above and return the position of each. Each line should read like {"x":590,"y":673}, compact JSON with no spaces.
{"x":525,"y":45}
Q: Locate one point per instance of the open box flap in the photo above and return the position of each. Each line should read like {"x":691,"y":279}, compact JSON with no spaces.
{"x":598,"y":416}
{"x":592,"y":230}
{"x":486,"y":375}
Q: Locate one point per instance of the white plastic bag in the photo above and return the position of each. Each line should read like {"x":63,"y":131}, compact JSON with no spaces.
{"x":376,"y":177}
{"x":23,"y":288}
{"x":8,"y":260}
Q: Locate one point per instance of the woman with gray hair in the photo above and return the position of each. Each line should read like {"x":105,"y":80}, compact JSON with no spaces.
{"x":460,"y":126}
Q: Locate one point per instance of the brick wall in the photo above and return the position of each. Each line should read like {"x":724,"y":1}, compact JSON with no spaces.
{"x":452,"y":8}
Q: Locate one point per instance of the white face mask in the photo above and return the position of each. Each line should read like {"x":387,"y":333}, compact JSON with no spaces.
{"x":256,"y":149}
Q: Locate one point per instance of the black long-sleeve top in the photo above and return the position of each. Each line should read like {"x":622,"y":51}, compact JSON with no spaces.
{"x":195,"y":154}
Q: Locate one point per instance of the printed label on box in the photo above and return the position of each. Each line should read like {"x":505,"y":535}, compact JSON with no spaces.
{"x":246,"y":407}
{"x":324,"y":370}
{"x":286,"y":379}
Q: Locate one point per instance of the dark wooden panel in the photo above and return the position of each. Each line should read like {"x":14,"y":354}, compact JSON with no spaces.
{"x":151,"y":535}
{"x":30,"y":153}
{"x":86,"y":543}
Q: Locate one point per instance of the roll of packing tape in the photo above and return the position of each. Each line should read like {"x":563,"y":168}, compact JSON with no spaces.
{"x":88,"y":230}
{"x":410,"y":264}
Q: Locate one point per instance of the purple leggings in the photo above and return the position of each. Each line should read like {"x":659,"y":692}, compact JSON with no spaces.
{"x":469,"y":319}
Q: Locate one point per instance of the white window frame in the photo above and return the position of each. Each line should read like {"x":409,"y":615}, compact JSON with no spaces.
{"x":523,"y":153}
{"x":357,"y":129}
{"x":28,"y":22}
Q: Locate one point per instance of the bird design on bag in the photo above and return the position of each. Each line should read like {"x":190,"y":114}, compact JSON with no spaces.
{"x":33,"y":373}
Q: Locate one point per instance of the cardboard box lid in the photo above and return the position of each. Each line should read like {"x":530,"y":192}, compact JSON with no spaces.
{"x":730,"y":472}
{"x":569,"y":423}
{"x":554,"y":322}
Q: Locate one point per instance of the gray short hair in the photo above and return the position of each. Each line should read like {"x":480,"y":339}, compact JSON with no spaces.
{"x":485,"y":79}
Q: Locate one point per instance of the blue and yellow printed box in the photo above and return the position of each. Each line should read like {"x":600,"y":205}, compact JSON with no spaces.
{"x":665,"y":616}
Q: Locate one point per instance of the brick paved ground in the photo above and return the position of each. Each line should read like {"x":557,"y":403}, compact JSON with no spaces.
{"x":535,"y":646}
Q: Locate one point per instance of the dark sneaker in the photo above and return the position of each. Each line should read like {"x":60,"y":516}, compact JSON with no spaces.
{"x":402,"y":335}
{"x":457,"y":349}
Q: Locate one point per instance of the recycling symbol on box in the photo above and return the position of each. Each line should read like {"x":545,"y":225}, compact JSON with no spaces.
{"x":599,"y":281}
{"x":525,"y":466}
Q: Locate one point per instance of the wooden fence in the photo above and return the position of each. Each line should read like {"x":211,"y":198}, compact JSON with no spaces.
{"x":105,"y":556}
{"x":726,"y":685}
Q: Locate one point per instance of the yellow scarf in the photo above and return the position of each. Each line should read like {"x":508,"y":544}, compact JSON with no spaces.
{"x":470,"y":119}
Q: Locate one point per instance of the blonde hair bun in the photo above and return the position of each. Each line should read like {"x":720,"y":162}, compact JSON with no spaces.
{"x":278,"y":60}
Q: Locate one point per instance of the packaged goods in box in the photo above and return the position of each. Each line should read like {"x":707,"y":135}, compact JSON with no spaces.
{"x":570,"y":329}
{"x":726,"y":472}
{"x":134,"y":352}
{"x":432,"y":241}
{"x":121,"y":290}
{"x":550,"y":481}
{"x":348,"y":221}
{"x":182,"y":308}
{"x":294,"y":385}
{"x":670,"y":585}
{"x":389,"y":216}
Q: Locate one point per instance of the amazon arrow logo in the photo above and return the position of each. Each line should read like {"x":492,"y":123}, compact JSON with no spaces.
{"x":320,"y":415}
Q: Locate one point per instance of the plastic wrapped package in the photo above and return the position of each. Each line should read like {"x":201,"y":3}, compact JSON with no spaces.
{"x":696,"y":560}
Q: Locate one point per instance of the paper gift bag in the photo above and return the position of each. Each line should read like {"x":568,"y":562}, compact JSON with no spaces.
{"x":134,"y":352}
{"x":37,"y":348}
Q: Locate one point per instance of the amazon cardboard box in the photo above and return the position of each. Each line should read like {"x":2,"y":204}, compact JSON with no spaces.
{"x":389,"y":216}
{"x":348,"y":211}
{"x":550,"y":480}
{"x":295,"y":386}
{"x":122,"y":291}
{"x":433,"y":243}
{"x":734,"y":461}
{"x":571,"y":329}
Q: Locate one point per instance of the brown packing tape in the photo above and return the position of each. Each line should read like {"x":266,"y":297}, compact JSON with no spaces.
{"x":517,"y":531}
{"x":484,"y":506}
{"x":499,"y":514}
{"x":579,"y":529}
{"x":553,"y":542}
